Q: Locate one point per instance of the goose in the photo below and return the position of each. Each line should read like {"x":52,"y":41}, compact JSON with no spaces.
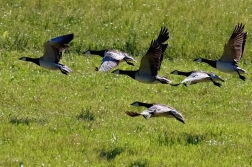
{"x":52,"y":54}
{"x":193,"y":77}
{"x":232,"y":54}
{"x":156,"y":110}
{"x":110,"y":58}
{"x":150,"y":62}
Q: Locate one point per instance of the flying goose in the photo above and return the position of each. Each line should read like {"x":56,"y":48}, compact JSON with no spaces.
{"x":232,"y":54}
{"x":52,"y":54}
{"x":193,"y":77}
{"x":110,"y":58}
{"x":150,"y":62}
{"x":156,"y":110}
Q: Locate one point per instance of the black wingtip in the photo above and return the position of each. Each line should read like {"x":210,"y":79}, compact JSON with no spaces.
{"x":63,"y":39}
{"x":163,"y":35}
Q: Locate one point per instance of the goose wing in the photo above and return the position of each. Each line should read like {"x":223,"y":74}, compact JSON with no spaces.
{"x":150,"y":62}
{"x":233,"y":49}
{"x":111,"y":59}
{"x":115,"y":54}
{"x":53,"y":48}
{"x":163,"y":37}
{"x":195,"y":76}
{"x":159,"y":108}
{"x":107,"y":64}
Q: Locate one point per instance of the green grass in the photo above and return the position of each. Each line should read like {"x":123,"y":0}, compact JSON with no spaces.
{"x":49,"y":119}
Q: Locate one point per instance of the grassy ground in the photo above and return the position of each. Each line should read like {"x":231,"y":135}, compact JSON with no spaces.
{"x":49,"y":119}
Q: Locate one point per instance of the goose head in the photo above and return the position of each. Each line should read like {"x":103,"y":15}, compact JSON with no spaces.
{"x":175,"y":72}
{"x":177,"y":115}
{"x":136,"y":103}
{"x":23,"y":58}
{"x":87,"y":52}
{"x":198,"y":59}
{"x":116,"y":71}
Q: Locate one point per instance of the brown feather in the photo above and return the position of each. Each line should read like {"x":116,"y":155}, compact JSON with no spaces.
{"x":234,"y":47}
{"x":150,"y":62}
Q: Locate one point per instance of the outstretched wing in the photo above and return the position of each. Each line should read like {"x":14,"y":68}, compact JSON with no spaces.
{"x":53,"y":48}
{"x":108,"y":63}
{"x":196,"y":76}
{"x":110,"y":60}
{"x":150,"y":62}
{"x":233,"y":49}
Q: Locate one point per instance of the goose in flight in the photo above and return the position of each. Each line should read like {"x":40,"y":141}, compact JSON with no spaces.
{"x":194,"y":77}
{"x":150,"y":62}
{"x":156,"y":110}
{"x":110,"y":58}
{"x":232,"y":54}
{"x":52,"y":54}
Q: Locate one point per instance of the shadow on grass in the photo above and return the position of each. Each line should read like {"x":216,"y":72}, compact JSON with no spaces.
{"x":27,"y":121}
{"x":185,"y":138}
{"x":110,"y":155}
{"x":85,"y":115}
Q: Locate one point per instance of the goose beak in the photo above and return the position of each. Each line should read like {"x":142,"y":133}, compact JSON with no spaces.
{"x":198,"y":59}
{"x":174,"y":72}
{"x":22,"y":58}
{"x":116,"y":71}
{"x":87,"y":52}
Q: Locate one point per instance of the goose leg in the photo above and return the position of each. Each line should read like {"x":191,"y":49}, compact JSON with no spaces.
{"x":215,"y":83}
{"x":241,"y":77}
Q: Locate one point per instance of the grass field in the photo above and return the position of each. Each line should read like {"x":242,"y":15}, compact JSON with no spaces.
{"x":50,"y":119}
